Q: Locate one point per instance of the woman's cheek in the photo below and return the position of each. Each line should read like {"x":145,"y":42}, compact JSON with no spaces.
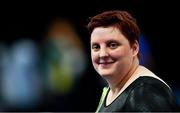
{"x":116,"y":54}
{"x":94,"y":57}
{"x":120,"y":52}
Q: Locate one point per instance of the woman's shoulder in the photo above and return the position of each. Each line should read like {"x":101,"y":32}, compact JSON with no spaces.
{"x":150,"y":94}
{"x":145,"y":76}
{"x":150,"y":86}
{"x":152,"y":81}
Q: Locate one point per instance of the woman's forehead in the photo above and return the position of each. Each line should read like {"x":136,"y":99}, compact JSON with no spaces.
{"x":105,"y":30}
{"x":102,"y":34}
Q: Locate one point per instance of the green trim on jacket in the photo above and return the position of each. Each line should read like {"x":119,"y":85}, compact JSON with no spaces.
{"x":105,"y":90}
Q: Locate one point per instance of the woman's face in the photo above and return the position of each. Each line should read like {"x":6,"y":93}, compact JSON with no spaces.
{"x":111,"y":52}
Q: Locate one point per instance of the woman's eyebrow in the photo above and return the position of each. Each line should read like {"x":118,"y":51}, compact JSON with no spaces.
{"x":92,"y":43}
{"x":112,"y":40}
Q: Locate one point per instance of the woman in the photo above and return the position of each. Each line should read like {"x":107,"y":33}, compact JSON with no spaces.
{"x":115,"y":56}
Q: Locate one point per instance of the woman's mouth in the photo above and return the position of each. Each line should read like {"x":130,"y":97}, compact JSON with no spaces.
{"x":105,"y":64}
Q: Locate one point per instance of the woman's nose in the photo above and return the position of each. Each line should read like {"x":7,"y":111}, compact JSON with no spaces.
{"x":103,"y":53}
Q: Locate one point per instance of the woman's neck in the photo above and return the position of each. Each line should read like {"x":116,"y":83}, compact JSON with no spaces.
{"x":122,"y":84}
{"x":118,"y":85}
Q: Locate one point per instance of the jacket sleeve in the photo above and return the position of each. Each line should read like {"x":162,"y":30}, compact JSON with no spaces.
{"x":149,"y":98}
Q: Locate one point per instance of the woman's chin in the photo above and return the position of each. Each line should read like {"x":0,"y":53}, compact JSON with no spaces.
{"x":105,"y":74}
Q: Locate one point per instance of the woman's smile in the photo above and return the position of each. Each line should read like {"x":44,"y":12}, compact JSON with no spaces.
{"x":105,"y":64}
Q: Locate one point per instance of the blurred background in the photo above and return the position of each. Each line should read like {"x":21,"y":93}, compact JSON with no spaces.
{"x":45,"y":60}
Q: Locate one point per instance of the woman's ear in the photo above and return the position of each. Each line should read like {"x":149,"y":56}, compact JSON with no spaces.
{"x":135,"y":48}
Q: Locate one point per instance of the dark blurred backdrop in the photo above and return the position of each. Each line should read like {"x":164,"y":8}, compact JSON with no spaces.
{"x":29,"y":25}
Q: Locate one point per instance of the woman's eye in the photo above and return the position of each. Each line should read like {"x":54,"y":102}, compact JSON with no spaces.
{"x":95,"y":47}
{"x":113,"y":45}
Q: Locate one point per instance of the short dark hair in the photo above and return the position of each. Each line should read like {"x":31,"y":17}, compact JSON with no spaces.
{"x":119,"y":19}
